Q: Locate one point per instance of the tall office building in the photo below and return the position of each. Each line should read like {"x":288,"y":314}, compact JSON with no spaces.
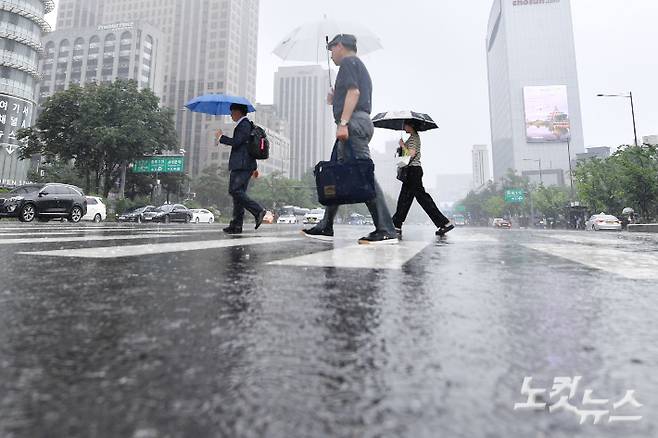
{"x":533,"y":89}
{"x":101,"y":54}
{"x":300,"y":96}
{"x":210,"y":46}
{"x":22,"y":25}
{"x":481,"y":170}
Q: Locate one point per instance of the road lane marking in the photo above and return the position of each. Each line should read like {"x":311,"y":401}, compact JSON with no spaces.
{"x":84,"y":238}
{"x":112,"y":252}
{"x":593,"y":240}
{"x":359,"y":256}
{"x":635,"y":266}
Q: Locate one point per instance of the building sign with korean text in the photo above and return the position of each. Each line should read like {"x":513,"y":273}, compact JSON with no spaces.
{"x":15,"y":114}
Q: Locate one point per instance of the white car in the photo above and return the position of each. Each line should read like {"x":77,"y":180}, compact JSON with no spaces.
{"x":96,"y":210}
{"x":603,"y":221}
{"x":314,"y":216}
{"x":201,"y":215}
{"x":287,"y":219}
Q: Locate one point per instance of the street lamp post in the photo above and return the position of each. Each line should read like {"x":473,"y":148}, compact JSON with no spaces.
{"x":627,"y":96}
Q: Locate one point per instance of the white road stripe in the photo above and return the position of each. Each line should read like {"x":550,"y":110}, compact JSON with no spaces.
{"x":593,"y":240}
{"x":359,"y":256}
{"x":158,"y":248}
{"x":83,"y":239}
{"x":636,"y":266}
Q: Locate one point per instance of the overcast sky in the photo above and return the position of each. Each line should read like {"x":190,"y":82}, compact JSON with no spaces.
{"x":434,"y":61}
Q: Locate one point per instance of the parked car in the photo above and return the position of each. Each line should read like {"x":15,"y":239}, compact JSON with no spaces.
{"x":135,"y":214}
{"x":603,"y":221}
{"x":202,"y":215}
{"x":169,"y":213}
{"x":499,"y":222}
{"x":287,"y":219}
{"x":44,"y":202}
{"x":459,"y":220}
{"x":356,"y":219}
{"x":96,"y":209}
{"x":314,"y":216}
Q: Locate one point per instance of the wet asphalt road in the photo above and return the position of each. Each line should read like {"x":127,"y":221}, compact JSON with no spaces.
{"x":179,"y":331}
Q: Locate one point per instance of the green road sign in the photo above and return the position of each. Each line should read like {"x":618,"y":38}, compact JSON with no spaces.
{"x":161,"y":164}
{"x":515,"y":196}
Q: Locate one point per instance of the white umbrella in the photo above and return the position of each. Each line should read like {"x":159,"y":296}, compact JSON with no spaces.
{"x":308,"y":43}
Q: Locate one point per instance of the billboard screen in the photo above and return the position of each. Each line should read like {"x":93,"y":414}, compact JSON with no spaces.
{"x":546,"y":114}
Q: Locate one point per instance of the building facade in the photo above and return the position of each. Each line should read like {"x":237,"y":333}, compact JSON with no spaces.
{"x":300,"y":96}
{"x":22,"y":25}
{"x":533,"y":88}
{"x":101,"y":54}
{"x":481,"y":166}
{"x":210,"y":46}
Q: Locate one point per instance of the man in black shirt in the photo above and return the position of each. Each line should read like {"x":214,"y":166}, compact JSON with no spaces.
{"x":352,"y":105}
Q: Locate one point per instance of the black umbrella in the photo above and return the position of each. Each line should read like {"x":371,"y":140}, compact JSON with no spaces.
{"x":395,"y":120}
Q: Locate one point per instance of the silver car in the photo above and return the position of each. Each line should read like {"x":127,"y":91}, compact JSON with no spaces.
{"x":603,"y":221}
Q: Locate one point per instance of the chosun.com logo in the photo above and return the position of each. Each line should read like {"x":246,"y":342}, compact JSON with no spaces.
{"x":533,"y":2}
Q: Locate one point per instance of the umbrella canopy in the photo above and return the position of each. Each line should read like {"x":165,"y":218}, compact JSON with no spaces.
{"x":395,"y":120}
{"x":308,"y":43}
{"x":217,"y":104}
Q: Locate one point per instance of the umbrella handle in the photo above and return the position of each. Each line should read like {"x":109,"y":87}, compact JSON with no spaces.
{"x":326,"y":37}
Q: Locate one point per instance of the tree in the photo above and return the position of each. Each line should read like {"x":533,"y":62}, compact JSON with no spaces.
{"x":211,"y":187}
{"x":551,"y":201}
{"x":637,"y":168}
{"x":494,"y":206}
{"x":101,"y":128}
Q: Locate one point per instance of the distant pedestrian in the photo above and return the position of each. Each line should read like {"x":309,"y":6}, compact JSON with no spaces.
{"x":352,"y":104}
{"x":412,"y":186}
{"x":241,"y":166}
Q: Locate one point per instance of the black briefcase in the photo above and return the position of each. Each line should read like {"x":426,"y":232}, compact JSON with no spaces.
{"x":351,"y":181}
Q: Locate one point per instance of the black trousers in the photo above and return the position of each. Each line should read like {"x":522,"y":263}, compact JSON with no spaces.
{"x":413,"y":188}
{"x":238,"y":183}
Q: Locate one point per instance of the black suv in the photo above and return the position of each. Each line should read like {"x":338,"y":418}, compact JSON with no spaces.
{"x":44,"y":202}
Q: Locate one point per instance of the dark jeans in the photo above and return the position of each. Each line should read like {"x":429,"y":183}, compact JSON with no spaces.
{"x":237,"y":188}
{"x":361,"y":131}
{"x":413,"y":188}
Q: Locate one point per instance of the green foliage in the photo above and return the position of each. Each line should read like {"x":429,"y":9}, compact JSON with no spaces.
{"x":629,"y":178}
{"x":275,"y":191}
{"x":211,"y":187}
{"x":550,"y":201}
{"x":494,"y":206}
{"x":57,"y":171}
{"x":100,"y":128}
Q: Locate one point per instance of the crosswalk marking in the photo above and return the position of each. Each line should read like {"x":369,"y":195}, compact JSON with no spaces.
{"x":624,"y":263}
{"x":158,"y":248}
{"x":391,"y":257}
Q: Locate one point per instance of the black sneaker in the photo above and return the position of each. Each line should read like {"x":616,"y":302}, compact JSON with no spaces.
{"x":319,"y":234}
{"x":379,"y":238}
{"x":232,"y":230}
{"x":259,"y":218}
{"x":444,"y":229}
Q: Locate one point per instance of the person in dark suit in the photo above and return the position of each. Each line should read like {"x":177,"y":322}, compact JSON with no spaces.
{"x":242,"y":166}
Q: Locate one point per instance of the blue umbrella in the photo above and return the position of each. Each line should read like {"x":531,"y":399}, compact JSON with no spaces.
{"x":217,"y":104}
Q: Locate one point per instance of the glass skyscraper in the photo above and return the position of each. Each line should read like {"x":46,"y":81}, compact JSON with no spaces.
{"x":533,"y":89}
{"x":22,"y":24}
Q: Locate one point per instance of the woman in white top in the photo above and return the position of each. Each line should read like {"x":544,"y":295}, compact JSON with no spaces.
{"x":412,"y":186}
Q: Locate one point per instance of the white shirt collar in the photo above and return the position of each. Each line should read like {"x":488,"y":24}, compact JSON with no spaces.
{"x":240,"y":121}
